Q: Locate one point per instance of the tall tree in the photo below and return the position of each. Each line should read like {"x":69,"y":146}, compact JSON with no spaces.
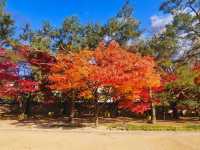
{"x":40,"y":63}
{"x":68,"y":36}
{"x":8,"y":76}
{"x":129,"y":75}
{"x":42,"y":39}
{"x":125,"y":74}
{"x":13,"y":83}
{"x":92,"y":35}
{"x":26,"y":36}
{"x":186,"y":15}
{"x":123,"y":27}
{"x":161,"y":45}
{"x":6,"y":24}
{"x":69,"y":75}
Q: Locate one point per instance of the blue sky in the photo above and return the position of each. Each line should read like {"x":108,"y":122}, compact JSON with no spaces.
{"x":36,"y":11}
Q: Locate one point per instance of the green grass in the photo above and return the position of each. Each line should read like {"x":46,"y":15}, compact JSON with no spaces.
{"x":131,"y":127}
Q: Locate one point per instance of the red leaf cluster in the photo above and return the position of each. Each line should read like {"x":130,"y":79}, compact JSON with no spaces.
{"x":10,"y":83}
{"x":43,"y":60}
{"x":27,"y":86}
{"x":138,"y":107}
{"x":2,"y":52}
{"x":167,"y":78}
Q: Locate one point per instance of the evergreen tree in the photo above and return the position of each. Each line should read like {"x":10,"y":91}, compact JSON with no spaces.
{"x":124,"y":26}
{"x":186,"y":21}
{"x":6,"y":24}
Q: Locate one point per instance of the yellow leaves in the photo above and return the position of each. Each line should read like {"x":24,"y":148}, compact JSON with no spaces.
{"x":153,"y":80}
{"x":14,"y":56}
{"x":87,"y":94}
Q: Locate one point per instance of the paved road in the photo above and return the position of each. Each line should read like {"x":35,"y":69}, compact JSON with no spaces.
{"x":91,"y":139}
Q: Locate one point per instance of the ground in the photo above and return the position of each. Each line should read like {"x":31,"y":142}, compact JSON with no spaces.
{"x":96,"y":139}
{"x":55,"y":134}
{"x":28,"y":135}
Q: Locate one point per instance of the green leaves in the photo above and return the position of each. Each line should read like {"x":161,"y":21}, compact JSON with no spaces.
{"x":6,"y":26}
{"x":186,"y":15}
{"x":185,"y":76}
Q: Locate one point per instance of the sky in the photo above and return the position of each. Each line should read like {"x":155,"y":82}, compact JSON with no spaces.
{"x":37,"y":11}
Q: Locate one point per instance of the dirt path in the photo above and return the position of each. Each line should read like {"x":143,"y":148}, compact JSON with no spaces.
{"x":92,"y":139}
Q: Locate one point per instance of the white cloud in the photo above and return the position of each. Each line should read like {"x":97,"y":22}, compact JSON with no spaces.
{"x":158,"y":22}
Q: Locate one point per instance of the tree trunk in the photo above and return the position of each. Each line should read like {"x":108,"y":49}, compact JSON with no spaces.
{"x":164,"y":113}
{"x":66,"y":108}
{"x":153,"y":108}
{"x":28,"y":107}
{"x":175,"y":114}
{"x":96,"y":113}
{"x":20,"y":105}
{"x":175,"y":111}
{"x":114,"y":110}
{"x":71,"y":110}
{"x":153,"y":113}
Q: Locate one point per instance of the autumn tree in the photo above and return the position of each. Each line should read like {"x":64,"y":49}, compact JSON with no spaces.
{"x":13,"y":82}
{"x":40,"y":63}
{"x":29,"y":68}
{"x":69,"y":75}
{"x":129,"y":75}
{"x":8,"y":76}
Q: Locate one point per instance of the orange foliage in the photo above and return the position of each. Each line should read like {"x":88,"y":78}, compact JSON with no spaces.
{"x":70,"y":71}
{"x":127,"y":73}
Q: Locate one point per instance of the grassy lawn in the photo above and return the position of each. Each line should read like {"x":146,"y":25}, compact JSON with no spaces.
{"x":151,"y":127}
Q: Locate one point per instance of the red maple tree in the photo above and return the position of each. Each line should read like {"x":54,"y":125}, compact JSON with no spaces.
{"x":130,"y":75}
